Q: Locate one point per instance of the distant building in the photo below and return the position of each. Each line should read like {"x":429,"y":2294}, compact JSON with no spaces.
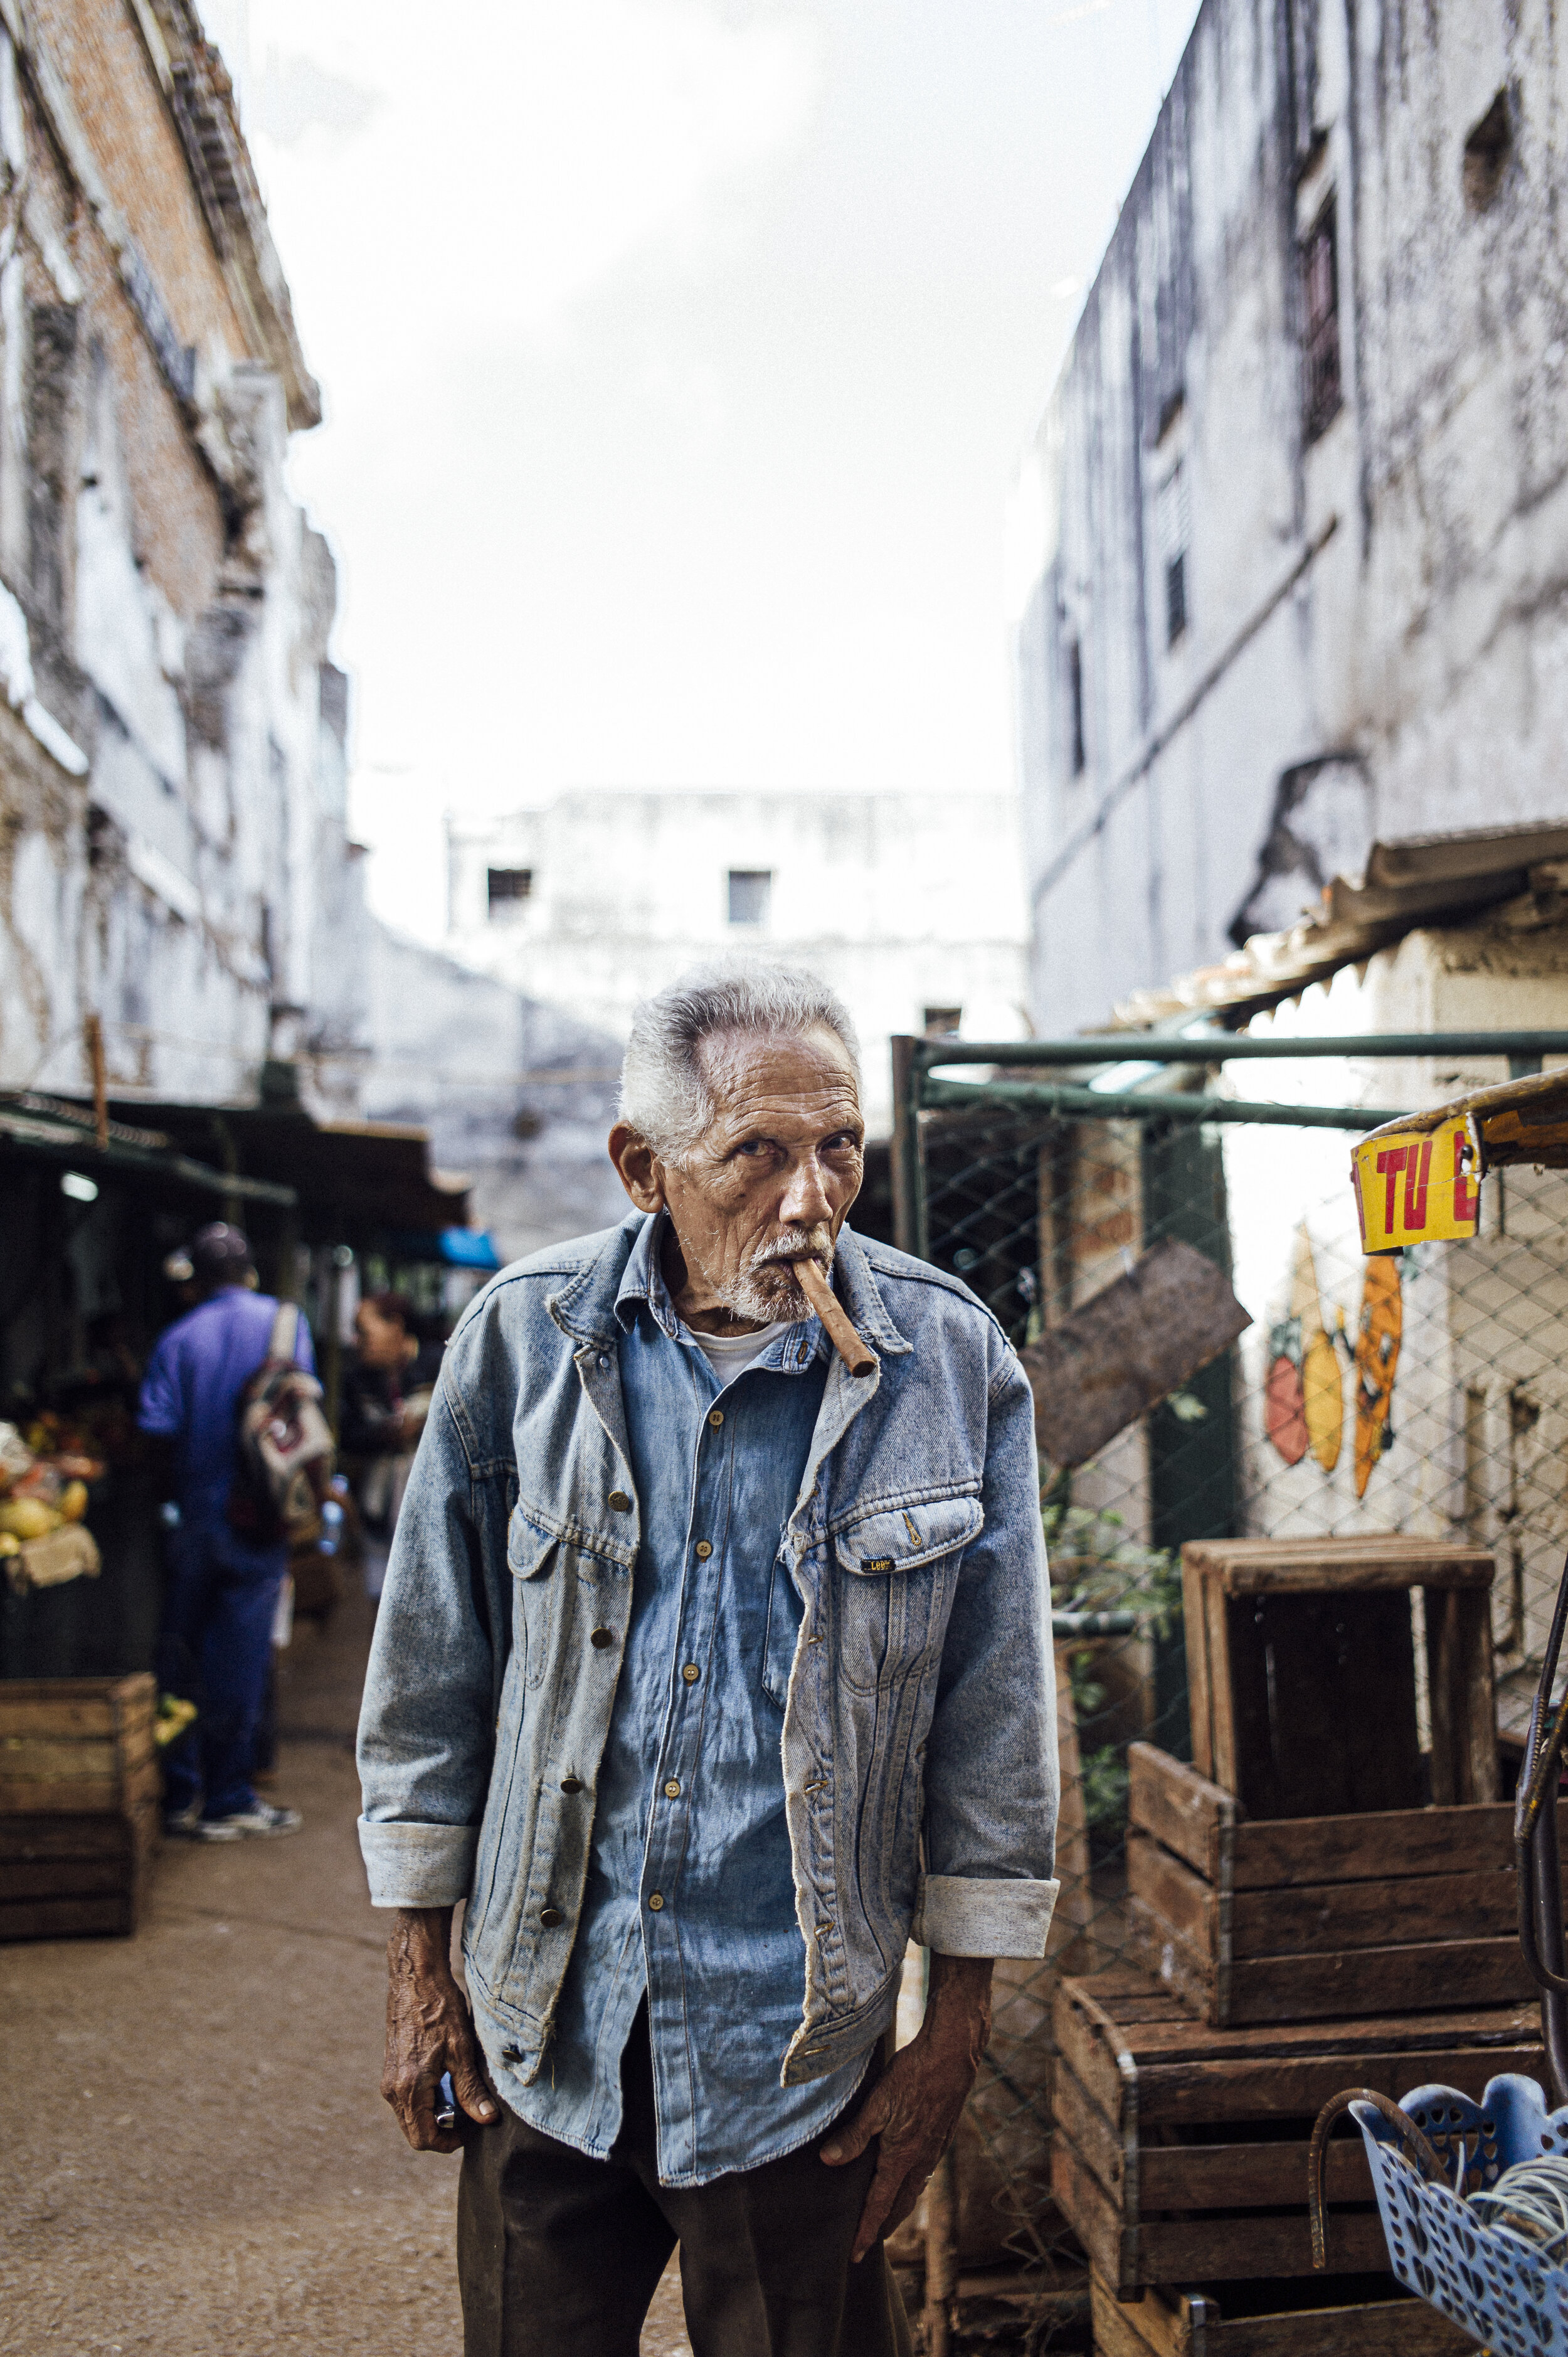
{"x":171,"y":725}
{"x":1299,"y":500}
{"x":910,"y":905}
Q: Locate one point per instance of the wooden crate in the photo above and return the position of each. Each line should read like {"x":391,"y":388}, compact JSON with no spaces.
{"x":1302,"y":1676}
{"x":77,"y":1746}
{"x":1309,"y":1919}
{"x":1318,"y":2321}
{"x":78,"y":1805}
{"x":61,"y":1877}
{"x":1180,"y":2149}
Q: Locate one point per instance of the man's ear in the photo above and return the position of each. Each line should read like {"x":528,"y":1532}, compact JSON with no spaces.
{"x":637,"y":1166}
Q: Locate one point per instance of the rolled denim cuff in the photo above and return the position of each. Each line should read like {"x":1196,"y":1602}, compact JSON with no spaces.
{"x":418,"y":1865}
{"x":958,"y":1915}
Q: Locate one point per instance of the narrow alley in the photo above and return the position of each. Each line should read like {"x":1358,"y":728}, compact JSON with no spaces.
{"x":194,"y":2154}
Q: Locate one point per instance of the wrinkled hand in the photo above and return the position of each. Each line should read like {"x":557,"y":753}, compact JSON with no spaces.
{"x":914,"y":2107}
{"x":429,"y":2029}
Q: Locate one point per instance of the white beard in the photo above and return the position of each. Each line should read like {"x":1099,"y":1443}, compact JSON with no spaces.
{"x":765,"y":1290}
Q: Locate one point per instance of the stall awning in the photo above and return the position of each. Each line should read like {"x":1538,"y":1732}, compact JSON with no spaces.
{"x":50,"y":1130}
{"x":1418,"y":1178}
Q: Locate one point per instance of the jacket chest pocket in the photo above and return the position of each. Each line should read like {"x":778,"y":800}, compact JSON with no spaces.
{"x":896,"y":1572}
{"x":533,"y":1558}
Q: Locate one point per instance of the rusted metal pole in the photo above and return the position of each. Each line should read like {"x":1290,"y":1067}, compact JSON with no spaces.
{"x":941,"y":2270}
{"x":92,"y":1036}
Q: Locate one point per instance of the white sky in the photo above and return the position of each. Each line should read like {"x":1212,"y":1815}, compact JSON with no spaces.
{"x":677,"y":356}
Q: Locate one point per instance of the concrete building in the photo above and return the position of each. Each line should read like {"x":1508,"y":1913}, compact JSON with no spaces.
{"x":910,"y":905}
{"x":1299,"y":506}
{"x":171,"y":726}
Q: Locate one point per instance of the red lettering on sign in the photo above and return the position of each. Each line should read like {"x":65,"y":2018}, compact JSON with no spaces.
{"x":1391,"y":1162}
{"x":1415,"y":1177}
{"x":1467,"y":1199}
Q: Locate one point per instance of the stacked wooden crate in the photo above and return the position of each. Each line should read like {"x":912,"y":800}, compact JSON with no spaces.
{"x":78,"y":1805}
{"x":1322,"y":1901}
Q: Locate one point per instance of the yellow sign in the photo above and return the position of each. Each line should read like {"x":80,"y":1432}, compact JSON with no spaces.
{"x":1417,"y":1186}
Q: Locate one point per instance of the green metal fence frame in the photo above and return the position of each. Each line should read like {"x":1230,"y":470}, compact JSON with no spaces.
{"x":917,"y":1090}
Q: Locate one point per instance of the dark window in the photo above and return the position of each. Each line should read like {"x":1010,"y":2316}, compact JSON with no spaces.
{"x":1175,"y":597}
{"x":1320,"y":292}
{"x":943,"y":1022}
{"x":1075,"y":703}
{"x":750,"y":891}
{"x":506,"y":886}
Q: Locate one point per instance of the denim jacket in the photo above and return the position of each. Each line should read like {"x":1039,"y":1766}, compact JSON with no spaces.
{"x":918,"y":1738}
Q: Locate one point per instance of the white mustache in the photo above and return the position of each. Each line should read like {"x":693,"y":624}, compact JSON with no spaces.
{"x":799,"y":1244}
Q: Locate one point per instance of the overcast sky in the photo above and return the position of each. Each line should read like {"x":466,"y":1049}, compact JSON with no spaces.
{"x":678,"y":356}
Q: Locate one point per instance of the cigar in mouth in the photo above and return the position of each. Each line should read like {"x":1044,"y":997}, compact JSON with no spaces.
{"x":857,"y":1356}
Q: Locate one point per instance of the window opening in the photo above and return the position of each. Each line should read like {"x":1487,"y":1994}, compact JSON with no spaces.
{"x":943,"y":1022}
{"x":1173,"y":527}
{"x":1320,"y":285}
{"x":750,"y":895}
{"x":506,"y":886}
{"x":1487,"y":150}
{"x":1075,"y":699}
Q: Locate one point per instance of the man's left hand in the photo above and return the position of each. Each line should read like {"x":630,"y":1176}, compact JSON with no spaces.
{"x":915,"y":2107}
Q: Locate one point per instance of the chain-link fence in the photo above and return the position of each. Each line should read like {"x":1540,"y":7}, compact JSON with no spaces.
{"x":1421,"y":1393}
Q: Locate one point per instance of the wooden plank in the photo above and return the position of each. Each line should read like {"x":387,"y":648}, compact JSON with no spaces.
{"x":48,"y":1758}
{"x":1193,"y":2093}
{"x":129,"y":1701}
{"x":1200,"y":1706}
{"x":1165,"y":1884}
{"x":1096,"y":2140}
{"x":1180,"y":1808}
{"x":1377,"y":1980}
{"x":1266,"y":2175}
{"x":61,"y":1715}
{"x":1187,"y":1966}
{"x":1156,"y":2042}
{"x":1322,"y":1701}
{"x":1221,"y":1686}
{"x":63,"y":1837}
{"x":1321,"y":1918}
{"x":65,"y":1919}
{"x":1196,"y":2249}
{"x":1093,"y":2215}
{"x":68,"y":1878}
{"x":1089,"y":2043}
{"x":1127,"y":2328}
{"x":1377,"y":1847}
{"x":1463,"y":1705}
{"x":1274,"y":1566}
{"x":84,"y":1797}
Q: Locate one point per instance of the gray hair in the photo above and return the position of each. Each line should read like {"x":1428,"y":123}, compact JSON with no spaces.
{"x":663,"y":1094}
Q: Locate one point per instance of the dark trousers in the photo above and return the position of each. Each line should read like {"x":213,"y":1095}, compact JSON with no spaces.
{"x":559,"y":2256}
{"x":214,"y":1648}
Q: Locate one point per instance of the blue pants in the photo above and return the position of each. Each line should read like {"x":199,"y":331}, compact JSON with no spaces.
{"x":214,"y":1648}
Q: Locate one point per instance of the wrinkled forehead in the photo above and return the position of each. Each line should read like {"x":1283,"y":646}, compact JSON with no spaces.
{"x":809,"y":1075}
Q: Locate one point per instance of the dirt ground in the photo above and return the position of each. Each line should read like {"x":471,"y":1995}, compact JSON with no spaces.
{"x":194,"y":2157}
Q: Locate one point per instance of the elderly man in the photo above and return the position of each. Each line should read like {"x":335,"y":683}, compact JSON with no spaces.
{"x":707,"y":1673}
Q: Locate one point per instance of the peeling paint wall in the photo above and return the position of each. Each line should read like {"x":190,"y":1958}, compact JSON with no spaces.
{"x":1370,"y":636}
{"x":173,"y":849}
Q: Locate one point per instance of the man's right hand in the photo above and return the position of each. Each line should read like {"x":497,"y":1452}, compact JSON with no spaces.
{"x":429,"y":2030}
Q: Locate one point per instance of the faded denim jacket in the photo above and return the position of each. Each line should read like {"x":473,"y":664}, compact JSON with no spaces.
{"x":919,"y":1742}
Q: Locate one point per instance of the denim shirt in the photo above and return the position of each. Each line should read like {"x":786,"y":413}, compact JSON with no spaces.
{"x":690,"y":1788}
{"x":918,"y":1740}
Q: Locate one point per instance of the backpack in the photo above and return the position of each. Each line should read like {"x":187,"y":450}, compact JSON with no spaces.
{"x":283,"y":1445}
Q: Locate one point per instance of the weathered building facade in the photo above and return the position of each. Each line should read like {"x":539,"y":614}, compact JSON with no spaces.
{"x":909,"y":905}
{"x":1300,"y":499}
{"x":173,"y":856}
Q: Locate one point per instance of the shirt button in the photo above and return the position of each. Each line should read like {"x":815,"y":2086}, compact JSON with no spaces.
{"x":550,"y":1917}
{"x":571,"y":1783}
{"x":691,"y":1674}
{"x":601,"y":1638}
{"x":604,"y":1359}
{"x":715,"y":1417}
{"x":655,"y":1900}
{"x":620,"y":1501}
{"x":704,"y":1550}
{"x":672,"y":1790}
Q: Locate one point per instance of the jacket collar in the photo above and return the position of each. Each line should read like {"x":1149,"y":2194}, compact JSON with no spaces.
{"x":585,"y":1308}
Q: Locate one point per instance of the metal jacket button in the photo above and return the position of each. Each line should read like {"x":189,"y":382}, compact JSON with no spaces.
{"x":703,"y":1550}
{"x":715,"y":1417}
{"x":571,"y":1783}
{"x":601,"y":1638}
{"x":620,"y":1502}
{"x":672,"y":1790}
{"x":655,"y":1900}
{"x":550,"y":1917}
{"x":691,"y":1674}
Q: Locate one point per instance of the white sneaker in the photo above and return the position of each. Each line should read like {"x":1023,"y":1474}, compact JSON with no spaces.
{"x":261,"y":1820}
{"x":191,"y":1825}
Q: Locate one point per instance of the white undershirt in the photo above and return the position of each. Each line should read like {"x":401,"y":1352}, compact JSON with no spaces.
{"x":730,"y":1354}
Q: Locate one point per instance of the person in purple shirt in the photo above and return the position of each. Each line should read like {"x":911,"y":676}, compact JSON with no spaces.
{"x":221,"y":1591}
